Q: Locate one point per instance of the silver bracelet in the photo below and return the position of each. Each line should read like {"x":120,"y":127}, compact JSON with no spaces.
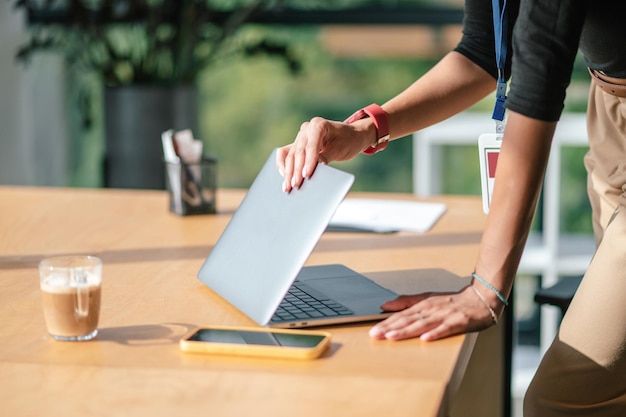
{"x":491,"y":287}
{"x":493,"y":313}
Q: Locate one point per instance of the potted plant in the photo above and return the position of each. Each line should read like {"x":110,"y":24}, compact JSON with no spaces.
{"x":148,"y":54}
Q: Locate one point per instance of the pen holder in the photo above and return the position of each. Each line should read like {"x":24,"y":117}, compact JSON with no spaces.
{"x":191,"y":186}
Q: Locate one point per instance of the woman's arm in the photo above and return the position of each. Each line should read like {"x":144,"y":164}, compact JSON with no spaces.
{"x":451,"y":86}
{"x":519,"y":175}
{"x":521,"y":166}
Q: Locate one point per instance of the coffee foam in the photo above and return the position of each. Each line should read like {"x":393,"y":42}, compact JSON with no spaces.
{"x":60,"y":283}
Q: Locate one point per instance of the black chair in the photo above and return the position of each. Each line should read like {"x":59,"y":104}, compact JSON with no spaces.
{"x":560,"y":294}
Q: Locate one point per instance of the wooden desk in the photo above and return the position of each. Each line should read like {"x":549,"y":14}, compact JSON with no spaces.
{"x":151,"y":297}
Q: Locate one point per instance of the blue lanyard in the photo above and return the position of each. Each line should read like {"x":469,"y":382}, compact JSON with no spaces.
{"x":500,"y":31}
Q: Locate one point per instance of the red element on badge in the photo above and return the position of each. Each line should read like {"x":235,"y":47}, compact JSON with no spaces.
{"x":492,"y":161}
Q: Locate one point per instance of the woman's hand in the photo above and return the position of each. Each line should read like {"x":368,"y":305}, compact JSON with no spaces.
{"x":433,"y":316}
{"x":323,"y":141}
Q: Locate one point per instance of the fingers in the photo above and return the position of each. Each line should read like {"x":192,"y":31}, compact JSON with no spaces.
{"x":297,"y":161}
{"x":318,"y":141}
{"x":284,"y":164}
{"x":281,"y":156}
{"x":435,"y":317}
{"x":403,"y":302}
{"x":411,"y":323}
{"x":317,"y":137}
{"x":304,"y":153}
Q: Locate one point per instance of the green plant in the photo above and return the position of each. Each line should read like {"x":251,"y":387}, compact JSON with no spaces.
{"x":163,"y":42}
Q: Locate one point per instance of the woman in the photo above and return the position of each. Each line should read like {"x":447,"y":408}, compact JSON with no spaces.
{"x":584,"y":371}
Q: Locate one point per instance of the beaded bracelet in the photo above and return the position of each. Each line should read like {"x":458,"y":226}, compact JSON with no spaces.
{"x":493,"y":313}
{"x":492,"y":288}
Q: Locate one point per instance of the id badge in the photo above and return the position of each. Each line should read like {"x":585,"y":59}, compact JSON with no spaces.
{"x":489,"y":149}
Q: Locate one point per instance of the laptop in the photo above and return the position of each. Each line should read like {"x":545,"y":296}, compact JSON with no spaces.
{"x":257,"y":264}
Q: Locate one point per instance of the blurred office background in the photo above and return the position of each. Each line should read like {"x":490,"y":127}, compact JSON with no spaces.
{"x":52,"y":132}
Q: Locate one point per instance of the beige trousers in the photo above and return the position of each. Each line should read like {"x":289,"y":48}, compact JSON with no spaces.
{"x":583,"y":373}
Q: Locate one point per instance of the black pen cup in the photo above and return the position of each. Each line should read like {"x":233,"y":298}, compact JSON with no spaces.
{"x":192,"y":186}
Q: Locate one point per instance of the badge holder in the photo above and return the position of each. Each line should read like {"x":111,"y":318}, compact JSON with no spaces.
{"x":489,"y":151}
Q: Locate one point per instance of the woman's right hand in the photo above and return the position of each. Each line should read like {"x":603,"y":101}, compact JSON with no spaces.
{"x":321,"y":141}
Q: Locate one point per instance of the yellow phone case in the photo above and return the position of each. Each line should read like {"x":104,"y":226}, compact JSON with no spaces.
{"x":270,"y":351}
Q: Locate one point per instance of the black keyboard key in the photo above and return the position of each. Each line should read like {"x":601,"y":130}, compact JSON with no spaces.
{"x":298,"y":304}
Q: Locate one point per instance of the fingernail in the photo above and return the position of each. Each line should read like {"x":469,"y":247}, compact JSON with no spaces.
{"x":304,"y":173}
{"x":375,"y":332}
{"x":281,"y":172}
{"x":285,"y":185}
{"x":293,"y":183}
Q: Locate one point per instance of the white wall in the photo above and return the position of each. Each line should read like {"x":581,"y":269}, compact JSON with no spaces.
{"x":33,"y":122}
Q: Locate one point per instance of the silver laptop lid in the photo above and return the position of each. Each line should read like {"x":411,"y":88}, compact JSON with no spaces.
{"x":270,"y":237}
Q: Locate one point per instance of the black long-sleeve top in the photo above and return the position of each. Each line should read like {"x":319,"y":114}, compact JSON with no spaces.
{"x":546,"y":35}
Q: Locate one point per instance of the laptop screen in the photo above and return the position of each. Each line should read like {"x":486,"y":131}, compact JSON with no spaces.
{"x":270,"y":237}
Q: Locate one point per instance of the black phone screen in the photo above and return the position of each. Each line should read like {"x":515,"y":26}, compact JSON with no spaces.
{"x":245,"y":337}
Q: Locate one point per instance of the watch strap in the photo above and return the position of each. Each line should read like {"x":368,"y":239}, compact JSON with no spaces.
{"x":379,"y":117}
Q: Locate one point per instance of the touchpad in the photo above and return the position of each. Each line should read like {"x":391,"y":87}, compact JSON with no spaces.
{"x":350,"y":288}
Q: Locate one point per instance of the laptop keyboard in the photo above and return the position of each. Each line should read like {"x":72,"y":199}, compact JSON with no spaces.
{"x":303,"y":303}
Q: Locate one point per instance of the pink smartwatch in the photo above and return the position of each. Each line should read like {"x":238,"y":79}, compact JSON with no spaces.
{"x":379,"y":117}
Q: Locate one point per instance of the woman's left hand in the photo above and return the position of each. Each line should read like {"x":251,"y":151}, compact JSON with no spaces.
{"x":433,"y":316}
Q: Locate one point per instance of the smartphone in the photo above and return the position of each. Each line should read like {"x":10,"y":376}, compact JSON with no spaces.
{"x":253,"y":341}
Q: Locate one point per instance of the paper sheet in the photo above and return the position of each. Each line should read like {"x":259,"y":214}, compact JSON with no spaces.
{"x":385,"y":216}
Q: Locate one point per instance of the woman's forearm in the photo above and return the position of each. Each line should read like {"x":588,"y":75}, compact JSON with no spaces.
{"x":453,"y":85}
{"x":519,"y":175}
